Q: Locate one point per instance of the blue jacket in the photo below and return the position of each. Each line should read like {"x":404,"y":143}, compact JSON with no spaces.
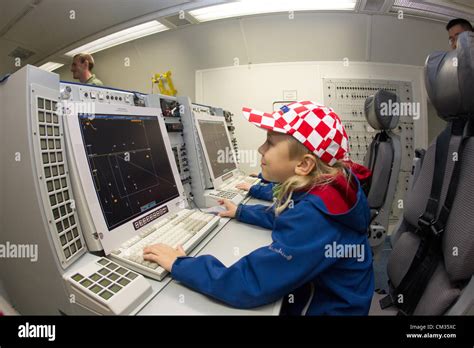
{"x":263,"y":190}
{"x":311,"y":247}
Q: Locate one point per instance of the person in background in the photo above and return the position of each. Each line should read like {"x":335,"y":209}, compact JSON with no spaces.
{"x":456,"y":27}
{"x":81,"y":68}
{"x":319,"y":259}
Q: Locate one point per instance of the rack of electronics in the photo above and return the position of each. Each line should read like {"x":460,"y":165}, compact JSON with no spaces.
{"x":348,"y":96}
{"x":102,"y":173}
{"x":205,"y":148}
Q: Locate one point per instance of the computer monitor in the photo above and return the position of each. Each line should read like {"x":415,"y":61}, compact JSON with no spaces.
{"x":125,"y":170}
{"x":217,"y":148}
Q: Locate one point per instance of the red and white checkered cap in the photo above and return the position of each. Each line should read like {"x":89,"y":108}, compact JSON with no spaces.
{"x":314,"y":125}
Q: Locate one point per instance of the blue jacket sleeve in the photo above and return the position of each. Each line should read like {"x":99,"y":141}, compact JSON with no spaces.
{"x":296,"y":256}
{"x":264,"y":192}
{"x":258,"y":214}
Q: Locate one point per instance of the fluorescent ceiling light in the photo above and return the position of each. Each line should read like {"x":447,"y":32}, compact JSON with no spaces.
{"x":251,"y":7}
{"x":51,"y":66}
{"x":119,"y":37}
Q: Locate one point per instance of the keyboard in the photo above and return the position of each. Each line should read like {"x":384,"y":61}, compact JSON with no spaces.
{"x":106,"y":288}
{"x":230,"y":184}
{"x":228,"y":191}
{"x":187,"y":228}
{"x":219,"y":194}
{"x":213,"y":196}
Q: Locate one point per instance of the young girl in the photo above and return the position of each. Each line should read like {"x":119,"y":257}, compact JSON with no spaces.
{"x":319,"y":254}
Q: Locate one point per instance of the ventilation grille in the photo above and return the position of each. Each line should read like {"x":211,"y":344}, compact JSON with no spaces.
{"x":21,"y":53}
{"x":428,"y":10}
{"x":373,"y":5}
{"x":175,"y":21}
{"x":66,"y":235}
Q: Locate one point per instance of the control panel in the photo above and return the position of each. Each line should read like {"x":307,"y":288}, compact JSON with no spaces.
{"x":96,"y":94}
{"x":347,"y":98}
{"x":172,"y":112}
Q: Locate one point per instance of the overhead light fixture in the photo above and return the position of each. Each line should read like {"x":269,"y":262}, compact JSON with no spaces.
{"x":51,"y":66}
{"x":252,"y":7}
{"x":119,"y":37}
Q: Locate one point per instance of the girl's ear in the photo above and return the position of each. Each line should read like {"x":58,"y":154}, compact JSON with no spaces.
{"x":306,"y":165}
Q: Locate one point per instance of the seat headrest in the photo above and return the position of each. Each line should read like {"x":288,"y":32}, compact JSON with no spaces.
{"x":378,"y":110}
{"x":449,"y":79}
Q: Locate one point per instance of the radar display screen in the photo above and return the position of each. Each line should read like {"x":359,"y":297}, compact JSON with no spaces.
{"x":129,"y":165}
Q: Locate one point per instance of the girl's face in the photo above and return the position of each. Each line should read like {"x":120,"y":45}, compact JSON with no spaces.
{"x":276,"y":163}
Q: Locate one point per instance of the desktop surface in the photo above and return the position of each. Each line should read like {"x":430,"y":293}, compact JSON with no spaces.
{"x":230,"y":241}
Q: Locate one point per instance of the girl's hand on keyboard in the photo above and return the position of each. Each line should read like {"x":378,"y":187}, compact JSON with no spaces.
{"x":231,"y":208}
{"x":163,"y":254}
{"x":243,"y":186}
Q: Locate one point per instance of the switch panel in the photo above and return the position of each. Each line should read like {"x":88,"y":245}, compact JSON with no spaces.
{"x":347,"y":98}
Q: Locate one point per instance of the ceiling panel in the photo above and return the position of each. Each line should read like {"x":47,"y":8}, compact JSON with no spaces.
{"x":39,"y":28}
{"x":48,"y":26}
{"x":10,"y":9}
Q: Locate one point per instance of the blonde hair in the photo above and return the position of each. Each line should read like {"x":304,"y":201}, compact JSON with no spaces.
{"x":85,"y":57}
{"x":322,"y":174}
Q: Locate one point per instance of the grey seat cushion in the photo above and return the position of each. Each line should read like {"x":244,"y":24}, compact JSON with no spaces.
{"x":401,"y":257}
{"x":440,"y":292}
{"x":416,"y":199}
{"x":458,"y":239}
{"x":381,"y":175}
{"x":458,"y":242}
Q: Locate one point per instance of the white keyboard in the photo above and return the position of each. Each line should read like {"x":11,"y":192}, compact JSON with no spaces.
{"x":219,"y":194}
{"x":228,"y":191}
{"x":213,"y":196}
{"x":230,"y":184}
{"x":187,"y":228}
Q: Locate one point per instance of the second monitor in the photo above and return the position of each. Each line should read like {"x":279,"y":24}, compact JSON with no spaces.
{"x":221,"y":159}
{"x":217,"y":148}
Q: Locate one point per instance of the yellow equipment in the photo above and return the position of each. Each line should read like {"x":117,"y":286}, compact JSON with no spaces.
{"x":165,"y":84}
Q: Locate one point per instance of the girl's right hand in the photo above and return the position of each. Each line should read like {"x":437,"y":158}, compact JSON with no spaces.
{"x":243,"y":186}
{"x":231,"y":208}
